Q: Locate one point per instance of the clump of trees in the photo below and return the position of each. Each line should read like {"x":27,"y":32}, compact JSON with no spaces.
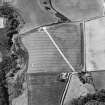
{"x":97,"y":98}
{"x":9,"y":62}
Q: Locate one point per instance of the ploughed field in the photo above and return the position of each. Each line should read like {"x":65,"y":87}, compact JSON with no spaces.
{"x":43,"y":55}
